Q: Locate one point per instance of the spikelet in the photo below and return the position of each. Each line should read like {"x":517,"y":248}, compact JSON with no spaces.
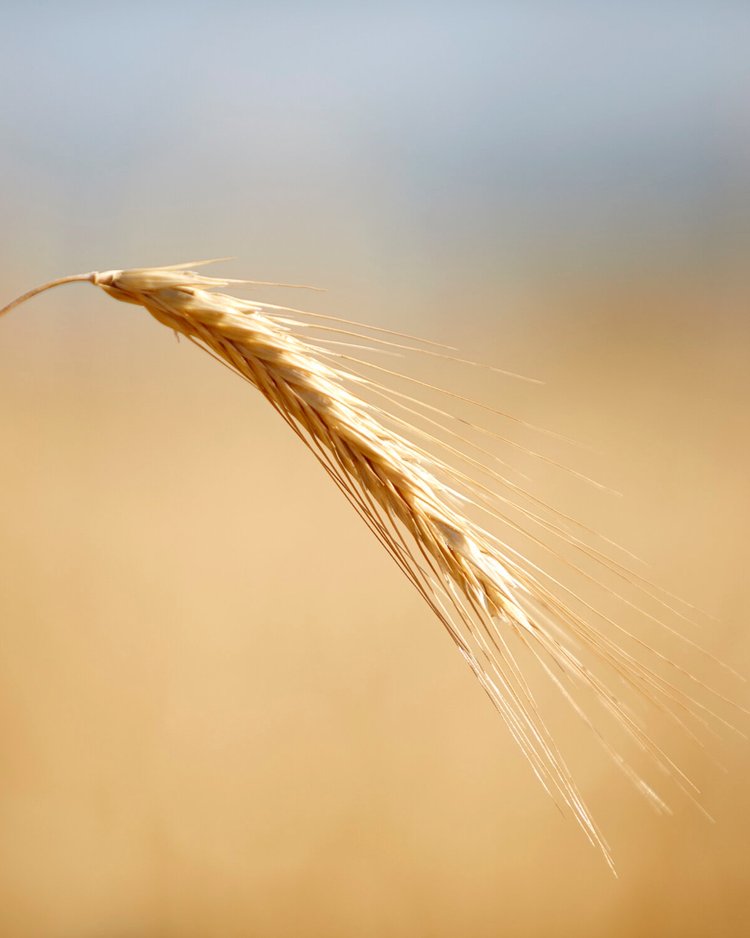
{"x":415,"y":502}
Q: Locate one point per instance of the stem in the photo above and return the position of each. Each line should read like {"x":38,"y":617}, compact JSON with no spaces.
{"x":74,"y":278}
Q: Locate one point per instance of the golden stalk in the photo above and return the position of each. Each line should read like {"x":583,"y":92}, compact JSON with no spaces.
{"x":484,"y":592}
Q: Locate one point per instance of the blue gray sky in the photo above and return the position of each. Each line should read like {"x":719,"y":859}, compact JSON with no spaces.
{"x":475,"y":130}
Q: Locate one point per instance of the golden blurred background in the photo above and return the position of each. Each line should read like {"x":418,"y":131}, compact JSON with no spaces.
{"x":223,"y":710}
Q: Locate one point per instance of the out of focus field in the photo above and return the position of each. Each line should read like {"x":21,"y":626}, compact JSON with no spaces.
{"x":222,"y":709}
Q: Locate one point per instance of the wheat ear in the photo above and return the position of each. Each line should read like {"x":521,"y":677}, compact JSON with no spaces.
{"x":484,"y":592}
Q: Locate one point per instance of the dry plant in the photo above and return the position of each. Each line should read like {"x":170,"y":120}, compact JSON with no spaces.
{"x":398,"y":460}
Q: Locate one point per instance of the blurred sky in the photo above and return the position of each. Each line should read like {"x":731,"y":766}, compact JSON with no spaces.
{"x":465,"y":137}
